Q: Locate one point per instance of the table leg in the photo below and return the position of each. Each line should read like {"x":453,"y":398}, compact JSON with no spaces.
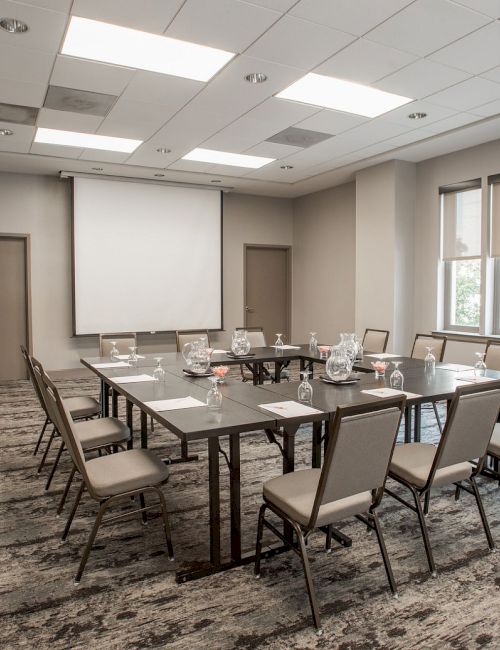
{"x":408,"y":424}
{"x":105,"y":400}
{"x":214,"y":501}
{"x":130,"y":424}
{"x":144,"y":430}
{"x":418,"y":418}
{"x":114,"y":403}
{"x":277,"y":372}
{"x":316,"y":444}
{"x":235,"y":495}
{"x":288,"y":466}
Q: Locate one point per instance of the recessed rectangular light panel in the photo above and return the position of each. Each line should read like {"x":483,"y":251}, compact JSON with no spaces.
{"x":92,"y":39}
{"x":226,"y":158}
{"x":342,"y":95}
{"x":85,"y":140}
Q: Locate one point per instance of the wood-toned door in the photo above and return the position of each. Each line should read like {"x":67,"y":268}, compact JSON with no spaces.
{"x":13,"y":306}
{"x":267,"y":290}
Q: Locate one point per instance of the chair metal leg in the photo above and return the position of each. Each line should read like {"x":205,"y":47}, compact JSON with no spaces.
{"x":44,"y":457}
{"x":66,"y":491}
{"x":258,"y":545}
{"x":328,"y":541}
{"x":37,"y":446}
{"x":425,"y":533}
{"x":90,"y":542}
{"x":166,"y":524}
{"x":479,"y":502}
{"x":308,"y":576}
{"x":54,"y":465}
{"x":73,"y":511}
{"x":427,"y":500}
{"x":385,"y":555}
{"x":457,"y":492}
{"x":438,"y":419}
{"x":144,"y":514}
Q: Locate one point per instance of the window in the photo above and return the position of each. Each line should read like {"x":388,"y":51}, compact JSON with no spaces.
{"x":494,"y":184}
{"x":462,"y":254}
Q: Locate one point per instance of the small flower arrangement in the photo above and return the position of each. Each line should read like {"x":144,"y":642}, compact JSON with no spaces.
{"x":380,"y":367}
{"x":220,"y":372}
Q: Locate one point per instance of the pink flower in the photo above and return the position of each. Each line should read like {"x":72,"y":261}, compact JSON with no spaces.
{"x":380,"y":366}
{"x":220,"y":371}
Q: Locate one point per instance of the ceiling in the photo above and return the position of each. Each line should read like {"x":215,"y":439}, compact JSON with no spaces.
{"x":445,"y":54}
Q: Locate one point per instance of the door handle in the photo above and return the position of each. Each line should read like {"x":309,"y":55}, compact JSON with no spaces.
{"x":248,"y":309}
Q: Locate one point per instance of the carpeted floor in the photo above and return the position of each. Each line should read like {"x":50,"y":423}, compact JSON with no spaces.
{"x":128,"y":598}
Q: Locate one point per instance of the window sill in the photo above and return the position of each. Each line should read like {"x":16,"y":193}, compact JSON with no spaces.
{"x":464,"y":336}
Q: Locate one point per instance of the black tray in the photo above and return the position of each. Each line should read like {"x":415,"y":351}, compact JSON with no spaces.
{"x":343,"y":382}
{"x":240,"y":356}
{"x":197,"y":374}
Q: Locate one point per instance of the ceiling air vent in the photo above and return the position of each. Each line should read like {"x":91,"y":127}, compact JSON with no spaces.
{"x":299,"y":137}
{"x":78,"y":101}
{"x":18,"y":114}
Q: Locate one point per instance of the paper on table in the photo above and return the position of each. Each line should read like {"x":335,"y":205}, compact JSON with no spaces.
{"x":220,"y":351}
{"x":286,"y":347}
{"x":126,"y":356}
{"x":132,"y":379}
{"x":457,"y":367}
{"x":475,"y":380}
{"x":174,"y":404}
{"x":290,"y":409}
{"x":111,"y":364}
{"x":390,"y":392}
{"x":384,"y":355}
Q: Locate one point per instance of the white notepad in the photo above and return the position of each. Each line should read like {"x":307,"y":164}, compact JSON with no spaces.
{"x":290,"y":409}
{"x":132,"y":379}
{"x":390,"y":392}
{"x":475,"y":380}
{"x":384,"y":355}
{"x":457,"y":367}
{"x":220,"y":351}
{"x":174,"y":404}
{"x":111,"y":364}
{"x":286,"y":347}
{"x":126,"y":356}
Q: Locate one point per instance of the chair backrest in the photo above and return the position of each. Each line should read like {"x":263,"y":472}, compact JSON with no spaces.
{"x":186,"y":336}
{"x":359,"y":451}
{"x":422,"y":341}
{"x":255,"y":336}
{"x":123,"y":340}
{"x":375,"y":340}
{"x":31,"y":375}
{"x":471,"y":419}
{"x":492,"y":358}
{"x":462,"y":351}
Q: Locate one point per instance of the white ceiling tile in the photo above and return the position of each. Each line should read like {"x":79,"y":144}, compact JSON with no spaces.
{"x":90,"y":75}
{"x":468,"y":94}
{"x":492,"y":75}
{"x":68,"y":121}
{"x":272,"y":150}
{"x":131,"y":119}
{"x":104,"y":156}
{"x":408,"y":138}
{"x":453,"y":122}
{"x":46,"y":28}
{"x":487,"y":110}
{"x":29,"y":65}
{"x":474,"y":53}
{"x":433,"y":111}
{"x":299,"y":43}
{"x":20,"y":140}
{"x":190,"y":166}
{"x":354,"y":17}
{"x":489,"y":7}
{"x":365,"y":61}
{"x":21,"y":93}
{"x":147,"y":15}
{"x":225,"y":24}
{"x":62,"y":6}
{"x":327,"y":121}
{"x":170,"y":92}
{"x":420,"y":79}
{"x":427,"y":25}
{"x":55,"y":150}
{"x":277,"y":5}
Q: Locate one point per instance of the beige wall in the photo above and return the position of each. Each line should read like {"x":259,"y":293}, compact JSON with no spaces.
{"x":324,"y":263}
{"x":41,"y":206}
{"x":480,"y":161}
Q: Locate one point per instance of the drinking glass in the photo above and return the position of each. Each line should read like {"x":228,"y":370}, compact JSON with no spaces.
{"x":114,"y":352}
{"x":479,"y":366}
{"x":430,"y":359}
{"x":132,"y":357}
{"x":396,"y":379}
{"x":214,"y":396}
{"x":279,"y":341}
{"x":158,"y":373}
{"x":305,"y":390}
{"x":313,"y":342}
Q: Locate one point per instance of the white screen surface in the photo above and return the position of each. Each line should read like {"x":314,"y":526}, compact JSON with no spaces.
{"x":146,"y":257}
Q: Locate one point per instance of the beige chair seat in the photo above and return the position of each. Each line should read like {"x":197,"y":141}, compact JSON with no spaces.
{"x":82,"y":407}
{"x":494,"y":446}
{"x":412,"y":462}
{"x":100,"y":432}
{"x":129,"y":470}
{"x":294,"y":494}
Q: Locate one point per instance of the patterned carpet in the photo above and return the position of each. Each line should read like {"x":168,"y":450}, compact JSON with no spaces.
{"x":128,"y":598}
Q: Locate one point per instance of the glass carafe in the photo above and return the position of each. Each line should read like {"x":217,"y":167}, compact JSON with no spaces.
{"x":240,"y":344}
{"x":338,"y":365}
{"x":158,"y":373}
{"x":114,"y":352}
{"x":214,"y":396}
{"x":359,"y":348}
{"x":197,"y":356}
{"x":305,"y":390}
{"x":479,"y":365}
{"x":350,"y":347}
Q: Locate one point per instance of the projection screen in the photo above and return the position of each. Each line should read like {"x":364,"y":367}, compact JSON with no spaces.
{"x":146,"y":257}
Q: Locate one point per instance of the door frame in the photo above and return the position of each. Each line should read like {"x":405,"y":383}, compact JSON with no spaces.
{"x":288,"y":251}
{"x":26,"y":239}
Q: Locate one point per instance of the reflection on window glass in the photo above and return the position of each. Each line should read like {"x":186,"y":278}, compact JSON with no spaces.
{"x":465,"y":298}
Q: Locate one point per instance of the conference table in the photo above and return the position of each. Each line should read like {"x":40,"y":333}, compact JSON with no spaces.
{"x":242,"y":412}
